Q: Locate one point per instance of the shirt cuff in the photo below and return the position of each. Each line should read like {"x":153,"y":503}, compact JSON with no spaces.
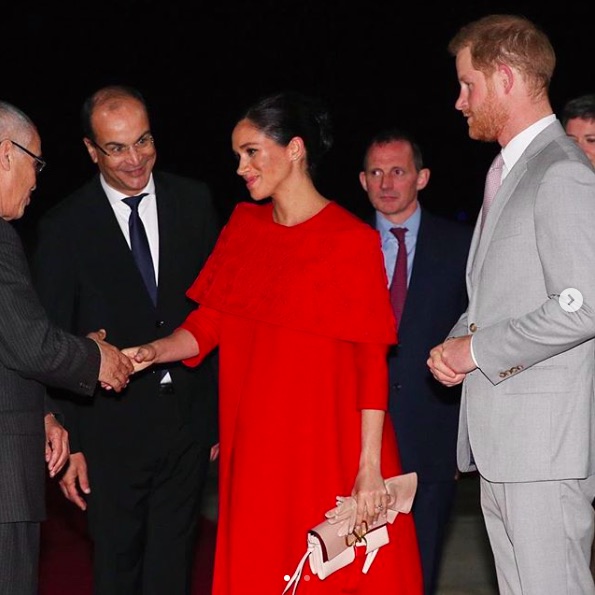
{"x":472,"y":354}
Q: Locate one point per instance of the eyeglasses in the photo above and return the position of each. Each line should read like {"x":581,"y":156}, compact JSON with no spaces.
{"x":144,"y":143}
{"x":39,"y":162}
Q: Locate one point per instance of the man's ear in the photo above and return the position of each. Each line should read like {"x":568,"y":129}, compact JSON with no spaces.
{"x":5,"y":155}
{"x":363,"y":181}
{"x":505,"y":75}
{"x":90,"y":149}
{"x":423,"y":177}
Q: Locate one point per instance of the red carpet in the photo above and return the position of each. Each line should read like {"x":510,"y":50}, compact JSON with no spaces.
{"x":65,"y":562}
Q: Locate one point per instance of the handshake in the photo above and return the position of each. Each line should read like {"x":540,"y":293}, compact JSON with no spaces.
{"x":117,"y":366}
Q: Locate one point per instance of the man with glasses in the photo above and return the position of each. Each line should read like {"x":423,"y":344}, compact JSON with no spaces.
{"x":33,"y":352}
{"x":123,"y":250}
{"x":39,"y":162}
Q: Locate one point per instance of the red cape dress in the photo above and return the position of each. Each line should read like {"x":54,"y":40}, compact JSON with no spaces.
{"x":302,"y":319}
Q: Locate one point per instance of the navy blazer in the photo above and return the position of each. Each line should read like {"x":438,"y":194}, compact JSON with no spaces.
{"x":425,"y":413}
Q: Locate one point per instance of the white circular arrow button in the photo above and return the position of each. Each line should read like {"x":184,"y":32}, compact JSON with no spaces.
{"x":570,"y":299}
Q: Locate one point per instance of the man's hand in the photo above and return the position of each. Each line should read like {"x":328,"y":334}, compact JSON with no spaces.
{"x":450,"y":361}
{"x":76,"y":480}
{"x":57,"y":447}
{"x":115,"y":366}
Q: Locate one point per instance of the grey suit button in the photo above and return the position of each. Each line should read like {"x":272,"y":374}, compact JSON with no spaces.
{"x":472,"y":327}
{"x":159,"y":323}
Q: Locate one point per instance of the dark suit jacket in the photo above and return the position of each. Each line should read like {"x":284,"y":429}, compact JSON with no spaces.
{"x":424,"y":412}
{"x":87,"y":279}
{"x":33,"y":352}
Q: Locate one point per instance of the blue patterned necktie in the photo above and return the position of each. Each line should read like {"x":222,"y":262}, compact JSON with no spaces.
{"x":139,"y":245}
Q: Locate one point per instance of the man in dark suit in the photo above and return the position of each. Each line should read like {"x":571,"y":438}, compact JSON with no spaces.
{"x":139,"y":462}
{"x":424,"y":412}
{"x":33,"y":352}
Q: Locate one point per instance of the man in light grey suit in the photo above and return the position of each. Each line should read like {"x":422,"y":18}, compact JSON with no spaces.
{"x":33,"y":352}
{"x":525,"y":347}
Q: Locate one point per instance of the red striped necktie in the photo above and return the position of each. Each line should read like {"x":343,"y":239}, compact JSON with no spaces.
{"x":398,"y":286}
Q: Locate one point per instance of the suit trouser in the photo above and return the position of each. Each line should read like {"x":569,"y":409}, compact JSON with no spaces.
{"x":143,"y":516}
{"x":19,"y":558}
{"x":541,"y":535}
{"x":432,"y":509}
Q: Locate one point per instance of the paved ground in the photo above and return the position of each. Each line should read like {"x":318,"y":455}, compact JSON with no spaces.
{"x":467,"y":566}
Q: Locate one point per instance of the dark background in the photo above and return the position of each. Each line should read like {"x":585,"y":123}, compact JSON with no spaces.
{"x":199,"y":64}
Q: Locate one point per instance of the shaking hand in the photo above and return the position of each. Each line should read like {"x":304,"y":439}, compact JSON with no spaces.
{"x":141,"y":357}
{"x":115,"y":366}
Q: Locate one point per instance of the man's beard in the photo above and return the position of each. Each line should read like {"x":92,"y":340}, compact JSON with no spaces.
{"x":488,"y":120}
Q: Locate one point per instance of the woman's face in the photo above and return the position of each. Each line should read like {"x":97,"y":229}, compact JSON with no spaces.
{"x":583,"y":132}
{"x":264,"y":164}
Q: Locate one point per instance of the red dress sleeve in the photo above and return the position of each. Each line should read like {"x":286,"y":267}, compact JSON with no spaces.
{"x":372,"y":376}
{"x":204,"y":324}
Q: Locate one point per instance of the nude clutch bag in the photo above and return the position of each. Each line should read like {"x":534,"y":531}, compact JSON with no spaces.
{"x":330,"y":545}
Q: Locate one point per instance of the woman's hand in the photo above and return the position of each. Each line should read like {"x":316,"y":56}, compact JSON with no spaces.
{"x":141,"y":356}
{"x":180,"y":345}
{"x":369,"y":490}
{"x":372,"y":499}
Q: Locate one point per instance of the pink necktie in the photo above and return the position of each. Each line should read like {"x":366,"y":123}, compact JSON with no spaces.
{"x":398,"y":286}
{"x":493,"y":181}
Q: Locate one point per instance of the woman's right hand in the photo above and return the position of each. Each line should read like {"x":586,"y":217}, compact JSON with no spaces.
{"x":141,"y":356}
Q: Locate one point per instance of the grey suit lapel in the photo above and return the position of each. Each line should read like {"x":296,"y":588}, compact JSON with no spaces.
{"x":501,"y":199}
{"x":481,"y":242}
{"x":473,"y":248}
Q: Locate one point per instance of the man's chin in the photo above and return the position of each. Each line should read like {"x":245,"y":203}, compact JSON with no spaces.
{"x":475,"y":135}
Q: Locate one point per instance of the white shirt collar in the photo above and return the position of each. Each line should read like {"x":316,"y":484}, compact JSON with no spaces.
{"x":115,"y":196}
{"x":512,"y":152}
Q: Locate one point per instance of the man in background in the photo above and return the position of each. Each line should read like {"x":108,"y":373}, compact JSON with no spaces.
{"x":424,"y":412}
{"x":33,"y":352}
{"x":123,"y":249}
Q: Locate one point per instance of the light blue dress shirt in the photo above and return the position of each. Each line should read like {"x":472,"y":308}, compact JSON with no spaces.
{"x":390,"y":246}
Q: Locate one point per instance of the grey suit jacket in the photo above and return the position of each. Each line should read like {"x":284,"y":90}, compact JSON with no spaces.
{"x":528,"y":411}
{"x":33,"y":352}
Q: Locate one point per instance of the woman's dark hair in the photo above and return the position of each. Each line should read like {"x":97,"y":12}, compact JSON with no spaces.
{"x":582,"y":107}
{"x":288,"y":114}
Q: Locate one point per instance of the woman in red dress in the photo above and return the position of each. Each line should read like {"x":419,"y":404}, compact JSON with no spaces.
{"x":295,"y":297}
